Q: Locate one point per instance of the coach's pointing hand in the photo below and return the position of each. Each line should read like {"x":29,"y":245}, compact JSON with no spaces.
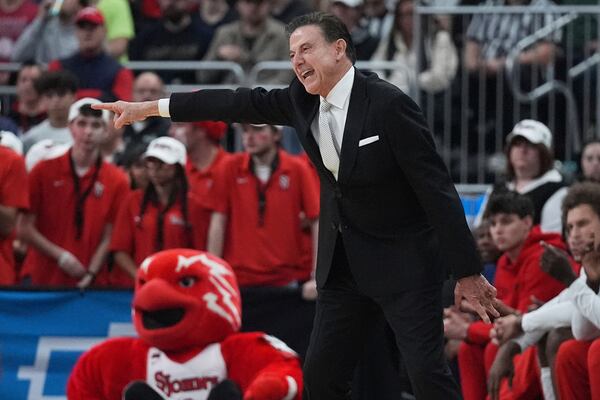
{"x":126,"y":113}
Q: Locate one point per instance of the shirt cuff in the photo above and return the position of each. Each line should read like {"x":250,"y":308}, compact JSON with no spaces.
{"x":163,"y":108}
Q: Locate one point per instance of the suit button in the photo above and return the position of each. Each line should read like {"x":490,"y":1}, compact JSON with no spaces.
{"x":345,"y":227}
{"x":338,"y":194}
{"x":334,"y":226}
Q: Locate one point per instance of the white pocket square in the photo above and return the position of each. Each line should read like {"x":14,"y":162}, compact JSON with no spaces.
{"x":369,"y":140}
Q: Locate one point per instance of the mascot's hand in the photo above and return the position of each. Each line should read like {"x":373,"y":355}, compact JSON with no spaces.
{"x":271,"y":386}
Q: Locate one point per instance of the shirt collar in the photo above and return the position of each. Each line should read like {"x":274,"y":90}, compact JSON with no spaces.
{"x":340,"y":94}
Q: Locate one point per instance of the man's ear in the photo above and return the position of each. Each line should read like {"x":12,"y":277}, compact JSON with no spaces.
{"x":340,"y":48}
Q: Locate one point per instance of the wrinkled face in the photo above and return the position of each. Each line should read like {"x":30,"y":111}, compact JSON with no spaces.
{"x":509,"y":231}
{"x":315,"y":61}
{"x":590,"y":162}
{"x":185,"y":298}
{"x":582,"y":226}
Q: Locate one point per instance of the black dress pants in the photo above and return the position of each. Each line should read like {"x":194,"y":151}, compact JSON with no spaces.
{"x":343,"y":319}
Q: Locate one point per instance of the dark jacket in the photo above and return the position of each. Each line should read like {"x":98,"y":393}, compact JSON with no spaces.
{"x":394,"y":204}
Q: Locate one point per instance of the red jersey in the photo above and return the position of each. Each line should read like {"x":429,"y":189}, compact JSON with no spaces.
{"x":201,"y":181}
{"x":307,"y":237}
{"x":13,"y":193}
{"x":263,"y":241}
{"x":53,"y":202}
{"x":137,"y":236}
{"x":517,"y":281}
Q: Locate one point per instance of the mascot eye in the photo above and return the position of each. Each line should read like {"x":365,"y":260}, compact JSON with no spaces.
{"x":187,"y":281}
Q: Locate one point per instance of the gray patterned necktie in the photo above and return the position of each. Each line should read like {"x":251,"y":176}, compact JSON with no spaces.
{"x":329,"y":153}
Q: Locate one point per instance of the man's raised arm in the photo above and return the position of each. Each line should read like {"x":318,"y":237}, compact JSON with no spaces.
{"x":126,"y":112}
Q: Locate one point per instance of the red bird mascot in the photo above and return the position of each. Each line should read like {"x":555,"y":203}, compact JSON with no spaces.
{"x":186,"y":310}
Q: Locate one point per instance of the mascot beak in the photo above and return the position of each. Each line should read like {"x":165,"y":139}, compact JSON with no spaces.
{"x":160,"y":305}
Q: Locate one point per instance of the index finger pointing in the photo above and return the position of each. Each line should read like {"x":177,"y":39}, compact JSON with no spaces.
{"x":104,"y":106}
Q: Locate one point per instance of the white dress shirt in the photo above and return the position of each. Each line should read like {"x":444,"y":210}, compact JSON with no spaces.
{"x":339,"y":98}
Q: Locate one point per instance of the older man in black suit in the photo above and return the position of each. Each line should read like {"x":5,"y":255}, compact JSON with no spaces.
{"x":391,"y":221}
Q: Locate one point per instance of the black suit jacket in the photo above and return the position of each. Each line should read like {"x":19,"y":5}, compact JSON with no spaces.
{"x":394,"y":204}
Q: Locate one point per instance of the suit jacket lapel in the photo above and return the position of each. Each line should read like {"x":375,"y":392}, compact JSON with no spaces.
{"x":357,"y":110}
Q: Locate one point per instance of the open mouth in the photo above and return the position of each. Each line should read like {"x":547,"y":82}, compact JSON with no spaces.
{"x":308,"y":73}
{"x":162,"y":318}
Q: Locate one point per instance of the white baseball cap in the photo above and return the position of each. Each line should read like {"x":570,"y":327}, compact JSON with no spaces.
{"x":168,"y":150}
{"x":349,"y":3}
{"x":532,"y":130}
{"x":10,"y":140}
{"x":75,"y":109}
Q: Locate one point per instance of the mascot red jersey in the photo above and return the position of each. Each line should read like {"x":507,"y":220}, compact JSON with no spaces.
{"x":186,"y":311}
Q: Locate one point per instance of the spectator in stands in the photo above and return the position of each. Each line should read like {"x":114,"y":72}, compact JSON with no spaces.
{"x":119,"y":27}
{"x":257,"y":200}
{"x":590,"y":161}
{"x":27,"y":110}
{"x":350,"y":12}
{"x":489,"y":39}
{"x":487,"y":249}
{"x":205,"y":154}
{"x":379,"y":18}
{"x":255,"y":37}
{"x":57,"y":91}
{"x":13,"y":198}
{"x":530,"y":171}
{"x":440,"y":58}
{"x":133,"y":162}
{"x":581,"y":212}
{"x":176,"y":36}
{"x":74,"y":200}
{"x":518,"y":278}
{"x":146,"y":87}
{"x":49,"y":37}
{"x":160,"y":217}
{"x":214,"y":13}
{"x":100,"y":75}
{"x":15,"y":15}
{"x":286,"y":10}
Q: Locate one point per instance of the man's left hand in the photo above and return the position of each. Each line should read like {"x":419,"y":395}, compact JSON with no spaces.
{"x":479,"y":293}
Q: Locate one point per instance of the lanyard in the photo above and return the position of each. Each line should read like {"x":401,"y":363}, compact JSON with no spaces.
{"x":81,"y":197}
